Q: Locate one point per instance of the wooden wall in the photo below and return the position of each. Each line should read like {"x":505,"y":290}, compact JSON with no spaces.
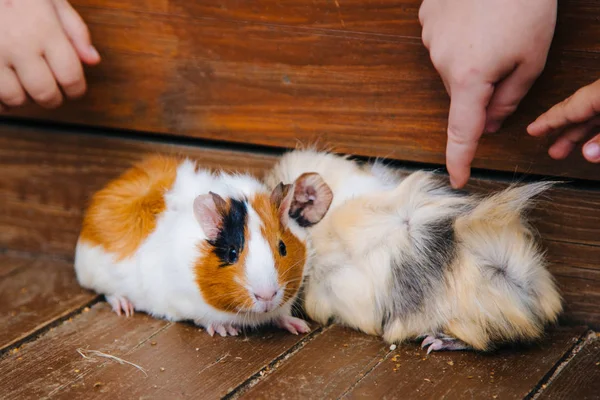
{"x":352,"y":74}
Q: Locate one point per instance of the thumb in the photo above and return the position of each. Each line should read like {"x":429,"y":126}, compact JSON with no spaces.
{"x":508,"y":95}
{"x":77,"y":31}
{"x":465,"y":126}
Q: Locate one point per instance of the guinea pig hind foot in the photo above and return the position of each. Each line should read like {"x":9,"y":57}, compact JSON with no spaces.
{"x":441,"y":342}
{"x":292,"y":324}
{"x":120,"y":305}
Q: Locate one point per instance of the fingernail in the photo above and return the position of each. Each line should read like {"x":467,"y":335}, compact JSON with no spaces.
{"x":532,"y":127}
{"x":93,"y":52}
{"x":592,"y":151}
{"x":453,"y":183}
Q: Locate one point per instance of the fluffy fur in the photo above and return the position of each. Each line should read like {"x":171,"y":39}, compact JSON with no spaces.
{"x":162,"y":238}
{"x":407,"y":257}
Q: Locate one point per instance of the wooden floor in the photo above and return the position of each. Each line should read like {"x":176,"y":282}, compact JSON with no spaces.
{"x":57,"y":341}
{"x":60,"y":341}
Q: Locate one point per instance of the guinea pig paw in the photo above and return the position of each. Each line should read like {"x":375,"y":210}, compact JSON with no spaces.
{"x":293,"y":324}
{"x":120,"y":305}
{"x":443,"y":342}
{"x":222,"y":329}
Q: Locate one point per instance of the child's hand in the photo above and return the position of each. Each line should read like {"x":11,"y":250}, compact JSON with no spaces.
{"x":41,"y":45}
{"x":576,"y":118}
{"x":488,"y":54}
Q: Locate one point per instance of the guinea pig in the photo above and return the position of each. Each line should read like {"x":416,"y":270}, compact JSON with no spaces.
{"x":183,"y":243}
{"x":406,"y":257}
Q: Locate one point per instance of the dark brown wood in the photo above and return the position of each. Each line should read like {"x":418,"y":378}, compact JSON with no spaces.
{"x":9,"y":263}
{"x":183,"y":362}
{"x":274,"y":75}
{"x":41,"y":368}
{"x":40,"y":291}
{"x":580,"y":379}
{"x":325,"y":368}
{"x":48,"y":177}
{"x":382,"y":17}
{"x":507,"y":374}
{"x":575,"y":267}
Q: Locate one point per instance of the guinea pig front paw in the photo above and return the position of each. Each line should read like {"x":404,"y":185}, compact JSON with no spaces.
{"x":120,"y":304}
{"x":293,"y":324}
{"x":440,"y":342}
{"x":222,"y":329}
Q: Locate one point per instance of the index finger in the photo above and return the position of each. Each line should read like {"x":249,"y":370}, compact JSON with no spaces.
{"x":580,"y":107}
{"x":465,"y":126}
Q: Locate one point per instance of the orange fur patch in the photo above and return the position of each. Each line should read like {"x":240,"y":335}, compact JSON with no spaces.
{"x":223,"y":287}
{"x":124,"y":212}
{"x":291,"y":266}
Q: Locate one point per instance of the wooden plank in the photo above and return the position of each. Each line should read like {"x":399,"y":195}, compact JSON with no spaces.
{"x":325,"y":368}
{"x":576,"y":269}
{"x":580,"y":379}
{"x":48,"y":177}
{"x":382,"y":17}
{"x":185,"y":363}
{"x":10,"y":263}
{"x":388,"y":17}
{"x":168,"y":68}
{"x":40,"y":291}
{"x":504,"y":375}
{"x":41,"y":368}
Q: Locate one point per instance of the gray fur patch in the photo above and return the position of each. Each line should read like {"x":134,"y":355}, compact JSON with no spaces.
{"x":418,"y":275}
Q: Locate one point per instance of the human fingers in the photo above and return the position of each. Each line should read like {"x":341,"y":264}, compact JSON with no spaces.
{"x":508,"y":94}
{"x":66,"y":67}
{"x":580,"y":107}
{"x":591,"y":150}
{"x":77,"y":31}
{"x":465,"y":126}
{"x":566,"y":142}
{"x":11,"y":91}
{"x":38,"y":81}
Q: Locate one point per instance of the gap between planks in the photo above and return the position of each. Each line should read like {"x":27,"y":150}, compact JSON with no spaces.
{"x":39,"y":331}
{"x":551,"y":376}
{"x":274,"y":364}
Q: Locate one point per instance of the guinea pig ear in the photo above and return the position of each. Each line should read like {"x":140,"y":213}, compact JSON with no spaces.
{"x":311,"y":200}
{"x":209,"y":210}
{"x":281,"y":197}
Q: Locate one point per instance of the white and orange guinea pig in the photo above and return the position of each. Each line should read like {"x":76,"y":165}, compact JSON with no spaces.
{"x":184,"y":243}
{"x":406,"y":257}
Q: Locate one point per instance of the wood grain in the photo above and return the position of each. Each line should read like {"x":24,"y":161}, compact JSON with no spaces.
{"x":10,"y":263}
{"x":48,"y":177}
{"x":580,"y":379}
{"x":183,"y":362}
{"x":274,"y":75}
{"x":325,"y":368}
{"x":36,"y":293}
{"x":503,"y":375}
{"x":41,"y":368}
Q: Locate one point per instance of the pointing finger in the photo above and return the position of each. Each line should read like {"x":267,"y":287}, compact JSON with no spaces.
{"x":465,"y":126}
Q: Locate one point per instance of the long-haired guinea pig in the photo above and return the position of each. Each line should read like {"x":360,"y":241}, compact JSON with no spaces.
{"x":183,"y":243}
{"x":409,"y":258}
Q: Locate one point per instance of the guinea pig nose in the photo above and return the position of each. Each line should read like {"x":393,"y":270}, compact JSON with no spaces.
{"x":265,"y":295}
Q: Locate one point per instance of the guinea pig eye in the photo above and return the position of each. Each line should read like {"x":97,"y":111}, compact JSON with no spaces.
{"x":232,"y":255}
{"x":282,"y":249}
